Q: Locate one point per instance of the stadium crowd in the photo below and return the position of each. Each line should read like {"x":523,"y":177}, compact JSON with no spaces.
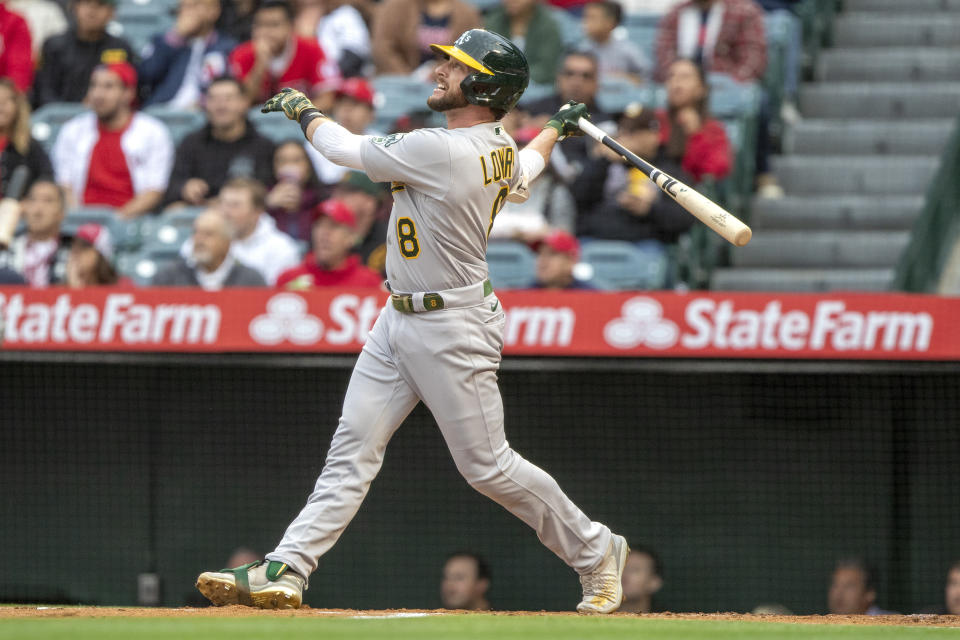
{"x":146,"y":148}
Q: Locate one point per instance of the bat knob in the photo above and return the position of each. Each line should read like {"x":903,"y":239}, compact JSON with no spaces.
{"x":743,"y":237}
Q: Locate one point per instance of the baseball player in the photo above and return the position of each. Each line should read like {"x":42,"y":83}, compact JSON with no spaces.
{"x":438,"y":338}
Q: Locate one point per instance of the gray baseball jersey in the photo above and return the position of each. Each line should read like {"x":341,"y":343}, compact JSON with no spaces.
{"x":448,"y":186}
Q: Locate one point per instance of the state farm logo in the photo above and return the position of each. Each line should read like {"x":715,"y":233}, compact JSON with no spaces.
{"x":641,"y":322}
{"x":286,"y":318}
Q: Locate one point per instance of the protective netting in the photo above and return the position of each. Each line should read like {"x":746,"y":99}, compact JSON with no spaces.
{"x":750,"y":481}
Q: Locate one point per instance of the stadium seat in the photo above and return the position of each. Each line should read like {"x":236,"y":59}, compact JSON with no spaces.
{"x":181,"y":217}
{"x":616,"y":93}
{"x":47,"y":120}
{"x":88,"y":215}
{"x":624,"y":266}
{"x":164,"y":235}
{"x":399,"y":95}
{"x":180,"y":122}
{"x":536,"y":92}
{"x":274,"y":125}
{"x":641,"y":30}
{"x":143,"y":266}
{"x":570,"y":30}
{"x":511,"y":265}
{"x":138,"y":23}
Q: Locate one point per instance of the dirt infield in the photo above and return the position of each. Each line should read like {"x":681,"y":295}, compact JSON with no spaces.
{"x":34,"y":611}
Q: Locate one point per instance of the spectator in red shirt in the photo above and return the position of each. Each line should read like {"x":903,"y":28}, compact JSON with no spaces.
{"x":275,"y":58}
{"x":16,"y":54}
{"x":724,"y":36}
{"x":114,"y":156}
{"x":687,"y":131}
{"x":332,"y":264}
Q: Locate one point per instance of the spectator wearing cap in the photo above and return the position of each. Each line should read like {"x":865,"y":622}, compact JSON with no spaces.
{"x":617,"y":202}
{"x":89,"y":263}
{"x":16,"y":54}
{"x":296,"y":192}
{"x":616,"y":54}
{"x":353,"y":109}
{"x":68,"y":60}
{"x":40,"y":253}
{"x":178,"y":65}
{"x":228,"y":146}
{"x":403,"y":30}
{"x":17,"y":146}
{"x":341,"y":29}
{"x":557,"y":254}
{"x":531,"y":26}
{"x":257,"y":242}
{"x":331,"y":264}
{"x":366,"y":199}
{"x":688,"y":133}
{"x":723,"y":36}
{"x":276,"y":57}
{"x":114,"y":156}
{"x":211,"y":267}
{"x":45,"y":19}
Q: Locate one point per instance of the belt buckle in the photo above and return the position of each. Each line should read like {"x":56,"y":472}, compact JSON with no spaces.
{"x":432,"y":301}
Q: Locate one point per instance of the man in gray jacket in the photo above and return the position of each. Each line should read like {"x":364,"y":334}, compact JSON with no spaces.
{"x":211,"y":266}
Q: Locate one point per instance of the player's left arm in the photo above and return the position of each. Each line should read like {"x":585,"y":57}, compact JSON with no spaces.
{"x":535,"y":156}
{"x":336,"y":143}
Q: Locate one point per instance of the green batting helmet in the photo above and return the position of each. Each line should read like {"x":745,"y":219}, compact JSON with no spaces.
{"x":500,"y":69}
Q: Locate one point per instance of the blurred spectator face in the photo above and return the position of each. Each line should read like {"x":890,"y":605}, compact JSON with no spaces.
{"x":43,"y":209}
{"x":640,"y":580}
{"x":92,"y":16}
{"x":225,"y":104}
{"x":82,"y":263}
{"x":290,"y":163}
{"x":848,"y":592}
{"x":577,"y":79}
{"x":332,"y":241}
{"x":237,"y":205}
{"x":363,"y":205}
{"x":953,"y":591}
{"x":211,"y":241}
{"x":202,"y":14}
{"x":554,"y":268}
{"x":597,"y":22}
{"x":461,"y":587}
{"x":448,"y":95}
{"x":273,"y":27}
{"x":642,"y":142}
{"x":518,"y":7}
{"x":684,"y":88}
{"x":108,"y":95}
{"x":356,"y":116}
{"x":8,"y":106}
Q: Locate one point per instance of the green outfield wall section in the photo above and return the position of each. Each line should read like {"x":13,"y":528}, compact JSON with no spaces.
{"x":748,"y":478}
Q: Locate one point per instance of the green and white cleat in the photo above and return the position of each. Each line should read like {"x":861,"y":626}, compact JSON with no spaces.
{"x":602,"y":591}
{"x":262,"y":584}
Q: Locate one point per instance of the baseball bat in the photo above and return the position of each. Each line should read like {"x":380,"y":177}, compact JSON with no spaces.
{"x":10,"y":205}
{"x":728,"y":226}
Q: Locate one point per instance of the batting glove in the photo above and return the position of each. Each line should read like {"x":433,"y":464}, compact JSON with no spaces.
{"x":565,"y":121}
{"x":294,"y":104}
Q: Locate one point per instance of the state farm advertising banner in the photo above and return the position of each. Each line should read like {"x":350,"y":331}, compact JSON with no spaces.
{"x":625,"y":324}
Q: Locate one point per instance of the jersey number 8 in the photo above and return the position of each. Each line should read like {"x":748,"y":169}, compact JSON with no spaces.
{"x":407,"y":238}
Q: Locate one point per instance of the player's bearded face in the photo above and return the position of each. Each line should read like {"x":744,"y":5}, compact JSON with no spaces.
{"x":447,"y":94}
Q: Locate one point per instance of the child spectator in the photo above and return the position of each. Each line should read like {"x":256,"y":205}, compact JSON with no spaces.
{"x":68,"y":60}
{"x":557,"y":254}
{"x":40,"y":253}
{"x":114,"y":156}
{"x":616,"y":55}
{"x":403,"y":31}
{"x":690,"y":136}
{"x":228,"y":146}
{"x":533,"y":29}
{"x":296,"y":191}
{"x":16,"y":54}
{"x":90,"y":261}
{"x":331,"y":264}
{"x":178,"y":65}
{"x":17,"y":147}
{"x":276,"y":58}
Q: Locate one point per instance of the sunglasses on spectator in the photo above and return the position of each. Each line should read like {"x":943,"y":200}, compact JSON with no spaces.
{"x":586,"y":75}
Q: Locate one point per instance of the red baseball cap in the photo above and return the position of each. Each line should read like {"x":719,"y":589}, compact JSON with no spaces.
{"x":358,"y":89}
{"x":98,"y":237}
{"x":561,"y":242}
{"x":124,"y":70}
{"x":337,"y":211}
